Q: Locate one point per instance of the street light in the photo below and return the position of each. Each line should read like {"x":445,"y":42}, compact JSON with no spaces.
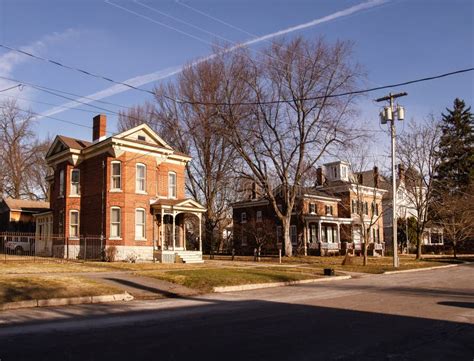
{"x":388,"y":114}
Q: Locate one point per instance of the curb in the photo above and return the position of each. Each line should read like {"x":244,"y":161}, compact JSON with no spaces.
{"x":421,"y":269}
{"x":66,"y":301}
{"x":255,"y":286}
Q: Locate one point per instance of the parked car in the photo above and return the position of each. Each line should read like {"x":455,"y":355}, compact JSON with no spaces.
{"x":19,"y":245}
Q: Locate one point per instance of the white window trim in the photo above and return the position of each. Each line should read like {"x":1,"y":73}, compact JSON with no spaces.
{"x":78,"y":194}
{"x":78,"y":223}
{"x":119,"y":237}
{"x":136,"y":179}
{"x":170,"y":196}
{"x":112,"y":176}
{"x":141,"y":238}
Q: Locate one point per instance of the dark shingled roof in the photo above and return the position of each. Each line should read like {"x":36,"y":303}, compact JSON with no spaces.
{"x":74,"y":143}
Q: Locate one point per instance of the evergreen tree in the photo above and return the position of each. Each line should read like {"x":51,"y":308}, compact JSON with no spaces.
{"x":456,"y":150}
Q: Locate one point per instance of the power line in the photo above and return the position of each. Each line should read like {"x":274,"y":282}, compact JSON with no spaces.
{"x":60,"y":91}
{"x":180,"y":101}
{"x":13,"y":87}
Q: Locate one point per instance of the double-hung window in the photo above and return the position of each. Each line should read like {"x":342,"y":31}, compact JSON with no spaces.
{"x":74,"y":224}
{"x":171,"y":185}
{"x":140,"y":222}
{"x":116,"y":175}
{"x":243,"y":217}
{"x":259,"y":216}
{"x":115,"y":222}
{"x":312,"y":208}
{"x":141,"y":178}
{"x":75,"y":182}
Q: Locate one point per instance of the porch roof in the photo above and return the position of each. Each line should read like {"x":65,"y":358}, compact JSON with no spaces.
{"x":185,"y":205}
{"x":327,"y":219}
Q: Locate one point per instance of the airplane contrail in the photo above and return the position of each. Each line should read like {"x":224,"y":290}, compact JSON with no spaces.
{"x":168,"y":72}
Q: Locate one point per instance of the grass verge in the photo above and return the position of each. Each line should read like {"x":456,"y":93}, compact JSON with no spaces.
{"x":22,"y":288}
{"x":205,"y":280}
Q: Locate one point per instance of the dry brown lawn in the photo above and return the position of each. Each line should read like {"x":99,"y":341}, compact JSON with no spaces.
{"x":30,"y":287}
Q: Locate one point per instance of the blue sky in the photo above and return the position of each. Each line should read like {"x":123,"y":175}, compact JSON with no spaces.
{"x":394,"y":40}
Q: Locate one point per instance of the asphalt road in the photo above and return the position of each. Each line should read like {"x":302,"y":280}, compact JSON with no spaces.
{"x":426,"y":315}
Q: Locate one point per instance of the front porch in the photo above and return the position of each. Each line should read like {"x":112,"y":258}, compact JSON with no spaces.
{"x":177,"y":237}
{"x":323,"y":234}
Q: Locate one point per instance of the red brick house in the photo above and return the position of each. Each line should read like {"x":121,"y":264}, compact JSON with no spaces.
{"x":326,"y":217}
{"x":127,"y":189}
{"x":315,"y":226}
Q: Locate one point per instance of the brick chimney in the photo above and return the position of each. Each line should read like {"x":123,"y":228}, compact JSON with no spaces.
{"x":376,"y":176}
{"x":99,"y":127}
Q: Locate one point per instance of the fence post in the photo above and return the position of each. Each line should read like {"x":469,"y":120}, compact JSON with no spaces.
{"x":279,"y":255}
{"x":233,"y":253}
{"x":4,"y":247}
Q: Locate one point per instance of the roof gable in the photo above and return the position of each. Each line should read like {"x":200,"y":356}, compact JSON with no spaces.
{"x":62,"y":143}
{"x":145,"y":135}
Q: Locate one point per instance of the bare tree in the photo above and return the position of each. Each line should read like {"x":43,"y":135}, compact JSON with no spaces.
{"x":281,"y":116}
{"x":417,"y":152}
{"x":195,"y":129}
{"x":456,"y":217}
{"x":21,"y":154}
{"x":137,"y":115}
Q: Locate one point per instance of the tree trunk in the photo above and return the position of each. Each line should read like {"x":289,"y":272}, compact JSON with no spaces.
{"x":366,"y":257}
{"x":454,"y":249}
{"x":286,"y":237}
{"x":419,"y":243}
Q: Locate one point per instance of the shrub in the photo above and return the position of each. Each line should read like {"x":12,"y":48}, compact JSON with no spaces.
{"x":110,"y":254}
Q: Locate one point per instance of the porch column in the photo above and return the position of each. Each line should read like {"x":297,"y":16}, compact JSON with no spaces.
{"x":173,"y":231}
{"x":182,"y":229}
{"x":320,"y":232}
{"x":305,"y":238}
{"x":200,"y":233}
{"x":338,"y":233}
{"x":162,"y":226}
{"x":154,"y":232}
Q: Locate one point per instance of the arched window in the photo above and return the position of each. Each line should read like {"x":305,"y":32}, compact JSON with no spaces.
{"x":115,"y":222}
{"x":140,"y":224}
{"x":73,"y":224}
{"x":116,"y":175}
{"x":140,"y":178}
{"x":171,"y":185}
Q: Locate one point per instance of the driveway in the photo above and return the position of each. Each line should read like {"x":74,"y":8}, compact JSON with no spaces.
{"x":427,"y":315}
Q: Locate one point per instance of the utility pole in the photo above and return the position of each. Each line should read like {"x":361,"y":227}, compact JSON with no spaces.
{"x":388,"y":114}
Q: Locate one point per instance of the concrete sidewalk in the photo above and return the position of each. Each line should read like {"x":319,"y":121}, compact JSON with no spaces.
{"x":141,"y":287}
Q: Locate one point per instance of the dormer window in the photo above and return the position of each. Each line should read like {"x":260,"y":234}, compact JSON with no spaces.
{"x":312,"y":208}
{"x":334,"y":170}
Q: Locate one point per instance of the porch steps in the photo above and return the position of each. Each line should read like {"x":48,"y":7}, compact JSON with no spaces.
{"x":190,"y":256}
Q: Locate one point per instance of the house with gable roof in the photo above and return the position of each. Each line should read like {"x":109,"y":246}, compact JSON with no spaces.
{"x":127,"y":189}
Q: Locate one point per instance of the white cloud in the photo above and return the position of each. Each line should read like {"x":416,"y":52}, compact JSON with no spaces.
{"x":11,"y":59}
{"x":166,"y":73}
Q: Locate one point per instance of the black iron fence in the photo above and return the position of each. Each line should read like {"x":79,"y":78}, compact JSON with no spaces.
{"x":30,"y":246}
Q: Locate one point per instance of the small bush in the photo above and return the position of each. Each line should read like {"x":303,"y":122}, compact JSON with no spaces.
{"x":110,"y":254}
